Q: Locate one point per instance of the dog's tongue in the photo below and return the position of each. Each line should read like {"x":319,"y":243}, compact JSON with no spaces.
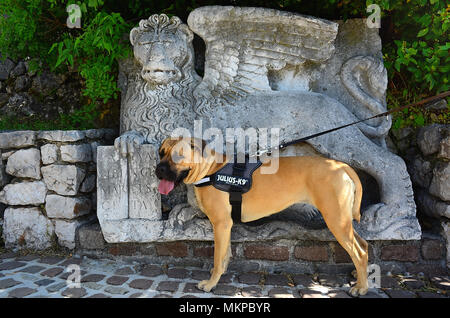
{"x":165,"y":186}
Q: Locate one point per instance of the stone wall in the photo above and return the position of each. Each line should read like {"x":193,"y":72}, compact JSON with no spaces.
{"x":427,"y":155}
{"x":48,"y":185}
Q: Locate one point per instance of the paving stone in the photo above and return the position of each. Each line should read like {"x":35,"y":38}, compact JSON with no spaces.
{"x":225,"y":290}
{"x":92,"y":285}
{"x":226,"y":278}
{"x":200,"y":274}
{"x":11,"y":265}
{"x":116,"y":280}
{"x":51,"y":260}
{"x":44,"y":282}
{"x":140,"y":283}
{"x":169,"y":286}
{"x":251,"y":291}
{"x":151,"y":271}
{"x":177,"y":273}
{"x":27,"y":258}
{"x":276,"y":280}
{"x":162,"y":296}
{"x":8,"y":283}
{"x":389,"y":282}
{"x":333,"y":280}
{"x":302,"y":279}
{"x":92,"y":278}
{"x":338,"y":294}
{"x":74,"y":292}
{"x":99,"y":296}
{"x":7,"y":255}
{"x":29,"y":277}
{"x":56,"y":287}
{"x":429,"y":295}
{"x":398,"y":293}
{"x":308,"y":293}
{"x":52,"y":272}
{"x":116,"y":290}
{"x":124,"y":271}
{"x":249,"y":278}
{"x":21,"y":292}
{"x":136,"y":295}
{"x":280,"y":292}
{"x":71,"y":261}
{"x":192,"y":288}
{"x":370,"y":294}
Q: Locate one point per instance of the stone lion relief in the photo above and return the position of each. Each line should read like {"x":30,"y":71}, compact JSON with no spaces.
{"x":267,"y":68}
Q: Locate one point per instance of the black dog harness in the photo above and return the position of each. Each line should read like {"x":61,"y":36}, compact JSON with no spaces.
{"x":234,"y":178}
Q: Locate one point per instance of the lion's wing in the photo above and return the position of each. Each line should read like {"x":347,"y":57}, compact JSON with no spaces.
{"x":243,"y":44}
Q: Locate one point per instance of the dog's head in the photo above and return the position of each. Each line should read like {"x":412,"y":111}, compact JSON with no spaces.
{"x":181,"y":160}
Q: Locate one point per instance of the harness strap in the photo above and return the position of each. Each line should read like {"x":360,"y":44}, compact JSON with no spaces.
{"x":236,"y":194}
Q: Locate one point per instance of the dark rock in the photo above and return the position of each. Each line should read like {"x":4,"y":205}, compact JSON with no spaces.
{"x":19,"y":70}
{"x":22,"y":83}
{"x":6,"y":67}
{"x":429,"y":138}
{"x":44,"y":84}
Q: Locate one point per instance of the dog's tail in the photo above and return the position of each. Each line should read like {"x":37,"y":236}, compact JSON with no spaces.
{"x":358,"y":193}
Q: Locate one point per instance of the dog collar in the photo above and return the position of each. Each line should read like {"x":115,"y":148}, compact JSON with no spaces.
{"x":202,"y":181}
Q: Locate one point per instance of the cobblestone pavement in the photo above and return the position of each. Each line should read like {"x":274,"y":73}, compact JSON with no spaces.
{"x":33,"y":276}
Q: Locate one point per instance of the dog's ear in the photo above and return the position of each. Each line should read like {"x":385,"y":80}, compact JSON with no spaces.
{"x":200,"y":144}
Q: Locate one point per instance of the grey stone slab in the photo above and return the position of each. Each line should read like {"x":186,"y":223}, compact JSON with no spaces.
{"x":112,"y":181}
{"x":116,"y":280}
{"x":276,"y":279}
{"x":249,"y":278}
{"x":62,"y":135}
{"x":56,"y":287}
{"x":252,"y":291}
{"x":24,"y":193}
{"x":280,"y":292}
{"x":25,"y":163}
{"x":92,"y":278}
{"x":225,"y":290}
{"x":398,"y":293}
{"x":11,"y":265}
{"x":169,"y":286}
{"x":32,"y":269}
{"x":115,"y":290}
{"x":140,"y":283}
{"x":21,"y":292}
{"x":51,"y":260}
{"x":76,"y":153}
{"x":74,"y":292}
{"x":17,"y":139}
{"x":44,"y":282}
{"x":8,"y":283}
{"x":63,"y":179}
{"x":52,"y":272}
{"x":151,"y":271}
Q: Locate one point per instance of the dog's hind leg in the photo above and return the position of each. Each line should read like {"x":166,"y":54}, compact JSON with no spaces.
{"x":339,"y":222}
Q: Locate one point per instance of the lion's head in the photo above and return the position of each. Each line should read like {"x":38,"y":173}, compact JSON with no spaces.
{"x":163,"y":47}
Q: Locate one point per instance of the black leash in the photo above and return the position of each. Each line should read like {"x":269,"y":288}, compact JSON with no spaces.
{"x":289,"y":143}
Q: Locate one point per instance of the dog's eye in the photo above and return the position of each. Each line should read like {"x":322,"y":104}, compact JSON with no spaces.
{"x":177,"y":158}
{"x":161,"y":153}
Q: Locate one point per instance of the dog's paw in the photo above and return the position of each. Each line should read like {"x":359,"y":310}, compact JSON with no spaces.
{"x":356,"y":291}
{"x":206,"y":285}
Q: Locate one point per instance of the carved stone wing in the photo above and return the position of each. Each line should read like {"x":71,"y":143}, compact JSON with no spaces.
{"x":243,"y":44}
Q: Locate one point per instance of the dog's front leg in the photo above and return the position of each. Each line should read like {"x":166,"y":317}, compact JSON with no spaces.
{"x":222,"y":233}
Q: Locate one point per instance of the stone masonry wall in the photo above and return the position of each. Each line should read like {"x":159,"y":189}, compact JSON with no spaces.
{"x":47,"y":185}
